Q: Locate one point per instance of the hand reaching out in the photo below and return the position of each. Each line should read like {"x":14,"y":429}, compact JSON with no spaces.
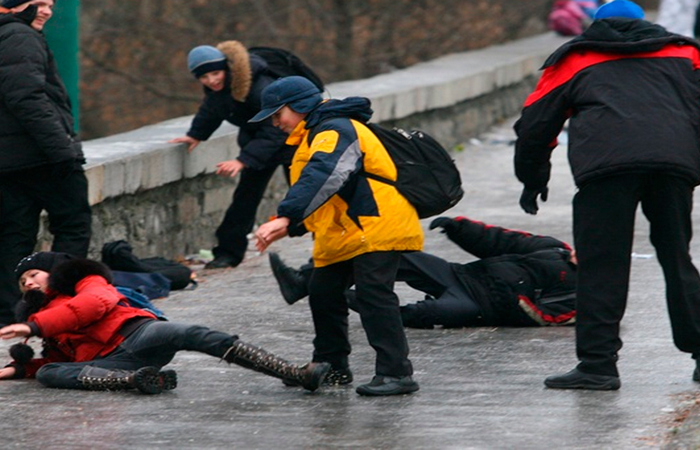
{"x":270,"y":232}
{"x":229,"y":168}
{"x":15,"y":330}
{"x":190,"y":141}
{"x":7,"y":372}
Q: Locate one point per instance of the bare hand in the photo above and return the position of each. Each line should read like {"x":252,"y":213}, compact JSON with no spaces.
{"x":270,"y":232}
{"x":190,"y":141}
{"x":15,"y":330}
{"x":229,"y":168}
{"x":7,"y":372}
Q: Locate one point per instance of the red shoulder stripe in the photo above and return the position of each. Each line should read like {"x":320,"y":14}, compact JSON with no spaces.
{"x":562,"y":72}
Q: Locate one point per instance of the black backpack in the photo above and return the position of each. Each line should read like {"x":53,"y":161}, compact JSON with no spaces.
{"x":283,"y":63}
{"x":426,"y":174}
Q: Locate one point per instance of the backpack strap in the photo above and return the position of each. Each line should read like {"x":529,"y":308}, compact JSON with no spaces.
{"x":314,"y":131}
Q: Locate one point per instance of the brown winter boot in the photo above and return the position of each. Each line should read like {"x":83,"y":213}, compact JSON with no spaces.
{"x":309,"y":376}
{"x":148,"y":380}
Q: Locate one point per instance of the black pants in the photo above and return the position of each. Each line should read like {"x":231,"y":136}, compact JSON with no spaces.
{"x":232,"y":234}
{"x":23,"y":195}
{"x":451,"y":305}
{"x":373,"y":275}
{"x":604,"y":216}
{"x":153,"y":344}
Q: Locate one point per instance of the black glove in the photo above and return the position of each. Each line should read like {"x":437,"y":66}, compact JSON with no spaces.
{"x":446,"y":223}
{"x":528,"y":199}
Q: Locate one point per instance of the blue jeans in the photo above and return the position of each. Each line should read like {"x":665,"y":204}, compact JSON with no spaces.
{"x":153,"y":344}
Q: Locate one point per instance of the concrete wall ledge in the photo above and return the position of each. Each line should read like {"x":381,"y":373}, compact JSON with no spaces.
{"x":142,"y":159}
{"x":447,"y":96}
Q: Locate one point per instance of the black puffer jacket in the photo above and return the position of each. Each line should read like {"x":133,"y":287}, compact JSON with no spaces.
{"x":36,"y":123}
{"x":262,"y":145}
{"x":521,"y":279}
{"x":632,"y":91}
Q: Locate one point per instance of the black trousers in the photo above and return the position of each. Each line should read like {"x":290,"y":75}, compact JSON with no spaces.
{"x":373,"y":275}
{"x":153,"y":344}
{"x":23,"y":195}
{"x":232,"y":233}
{"x":604,"y":216}
{"x":451,"y":305}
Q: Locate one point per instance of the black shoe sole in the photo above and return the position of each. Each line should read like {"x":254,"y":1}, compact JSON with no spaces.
{"x":608,"y":385}
{"x":401,"y":390}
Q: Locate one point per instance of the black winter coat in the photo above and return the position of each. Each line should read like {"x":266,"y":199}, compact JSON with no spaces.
{"x":36,"y":122}
{"x":262,"y":145}
{"x":520,"y":280}
{"x":632,"y":91}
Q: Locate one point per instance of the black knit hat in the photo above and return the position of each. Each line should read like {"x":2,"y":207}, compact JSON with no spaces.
{"x":45,"y":261}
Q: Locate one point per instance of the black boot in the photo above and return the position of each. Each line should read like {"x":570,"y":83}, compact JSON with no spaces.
{"x":309,"y":376}
{"x":293,"y":283}
{"x":696,"y":372}
{"x":148,"y":380}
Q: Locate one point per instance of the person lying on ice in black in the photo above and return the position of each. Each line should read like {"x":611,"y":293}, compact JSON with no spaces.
{"x":520,"y":279}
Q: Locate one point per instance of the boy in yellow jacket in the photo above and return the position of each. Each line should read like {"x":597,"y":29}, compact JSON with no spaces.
{"x":360,"y":227}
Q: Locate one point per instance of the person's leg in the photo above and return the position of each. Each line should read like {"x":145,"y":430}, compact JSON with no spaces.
{"x":118,"y":371}
{"x":70,"y":216}
{"x":667,"y":203}
{"x":378,"y":306}
{"x":155,"y":344}
{"x":447,"y":304}
{"x":19,"y":225}
{"x":604,"y":212}
{"x":293,"y":283}
{"x":232,"y":233}
{"x":329,"y":311}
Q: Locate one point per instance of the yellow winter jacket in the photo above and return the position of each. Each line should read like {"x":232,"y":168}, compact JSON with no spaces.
{"x":348,"y":213}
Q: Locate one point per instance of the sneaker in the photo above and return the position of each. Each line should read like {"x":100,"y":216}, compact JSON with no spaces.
{"x":575,"y":379}
{"x":222,"y":262}
{"x":334,"y":377}
{"x":381,"y":385}
{"x":149,"y":380}
{"x":292,"y":283}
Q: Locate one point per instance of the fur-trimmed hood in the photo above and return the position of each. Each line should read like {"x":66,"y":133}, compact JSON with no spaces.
{"x":242,"y":67}
{"x":64,"y":277}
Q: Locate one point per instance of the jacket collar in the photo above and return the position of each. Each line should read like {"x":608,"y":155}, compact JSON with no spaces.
{"x":620,"y":35}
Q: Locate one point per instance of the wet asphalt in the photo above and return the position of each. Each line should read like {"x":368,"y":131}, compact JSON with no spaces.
{"x":481,"y":388}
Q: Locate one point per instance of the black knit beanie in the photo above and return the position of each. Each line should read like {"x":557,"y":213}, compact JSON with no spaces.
{"x":45,"y":261}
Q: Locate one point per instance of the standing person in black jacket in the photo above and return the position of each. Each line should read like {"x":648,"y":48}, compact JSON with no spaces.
{"x":632,"y":92}
{"x":40,"y":156}
{"x":233,"y":80}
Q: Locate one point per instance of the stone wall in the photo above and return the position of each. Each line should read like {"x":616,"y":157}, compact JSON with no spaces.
{"x":167,"y":202}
